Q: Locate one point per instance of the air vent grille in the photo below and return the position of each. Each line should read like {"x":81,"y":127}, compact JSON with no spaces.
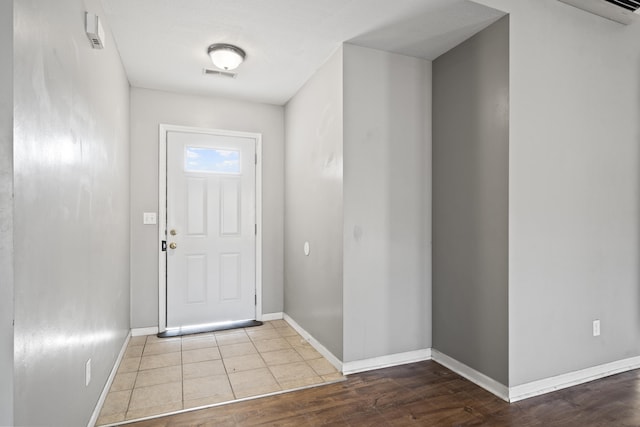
{"x":623,"y":11}
{"x":96,"y":43}
{"x":219,"y":73}
{"x":631,"y":5}
{"x":94,"y":30}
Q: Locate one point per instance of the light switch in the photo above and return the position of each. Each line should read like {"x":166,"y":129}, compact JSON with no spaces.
{"x":149,"y":218}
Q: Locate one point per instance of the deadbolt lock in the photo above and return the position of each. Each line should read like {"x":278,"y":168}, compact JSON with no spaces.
{"x":172,"y":245}
{"x":173,"y":232}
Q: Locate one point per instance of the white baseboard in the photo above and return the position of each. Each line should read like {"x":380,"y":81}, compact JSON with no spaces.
{"x":137,"y":332}
{"x":546,"y":385}
{"x":107,"y":386}
{"x":314,"y":343}
{"x":386,"y":361}
{"x":271,"y":316}
{"x":489,"y":384}
{"x":539,"y":387}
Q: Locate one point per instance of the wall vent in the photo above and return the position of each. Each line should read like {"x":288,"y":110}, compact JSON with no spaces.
{"x":622,"y":11}
{"x":219,"y":73}
{"x":94,"y":30}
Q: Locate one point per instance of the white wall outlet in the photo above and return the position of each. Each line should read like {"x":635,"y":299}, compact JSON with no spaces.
{"x":149,"y":218}
{"x":87,"y":373}
{"x":596,"y":328}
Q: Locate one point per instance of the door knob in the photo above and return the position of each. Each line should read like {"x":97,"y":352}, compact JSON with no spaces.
{"x":173,"y":232}
{"x":172,"y":245}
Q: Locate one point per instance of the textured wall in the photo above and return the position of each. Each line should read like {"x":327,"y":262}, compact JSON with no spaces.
{"x":71,"y":225}
{"x":150,"y":108}
{"x":313,"y":205}
{"x":470,"y":201}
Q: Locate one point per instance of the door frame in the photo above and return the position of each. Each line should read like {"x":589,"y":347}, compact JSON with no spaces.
{"x":162,"y":212}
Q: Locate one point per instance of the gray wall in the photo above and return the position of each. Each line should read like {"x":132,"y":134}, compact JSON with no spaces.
{"x":313,"y":206}
{"x":574,"y":189}
{"x":470,"y":202}
{"x":71,"y":223}
{"x":149,"y":108}
{"x":387,"y":203}
{"x":6,"y":213}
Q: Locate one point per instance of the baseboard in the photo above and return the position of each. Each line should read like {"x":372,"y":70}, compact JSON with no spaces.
{"x":539,"y":387}
{"x":546,"y":385}
{"x":478,"y":378}
{"x":137,"y":332}
{"x":272,"y":316}
{"x":386,"y":361}
{"x":314,"y":343}
{"x":107,"y":386}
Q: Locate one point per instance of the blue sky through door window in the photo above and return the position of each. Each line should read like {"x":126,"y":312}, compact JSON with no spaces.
{"x":212,"y":160}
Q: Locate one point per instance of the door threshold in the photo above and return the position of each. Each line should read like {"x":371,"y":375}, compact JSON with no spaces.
{"x":212,"y":327}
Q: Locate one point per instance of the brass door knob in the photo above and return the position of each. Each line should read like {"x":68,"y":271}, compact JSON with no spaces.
{"x":173,"y":245}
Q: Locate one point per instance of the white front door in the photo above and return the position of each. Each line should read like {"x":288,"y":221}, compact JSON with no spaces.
{"x":211,"y":231}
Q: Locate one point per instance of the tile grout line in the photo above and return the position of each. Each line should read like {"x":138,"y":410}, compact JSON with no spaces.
{"x":250,"y":339}
{"x":288,"y":363}
{"x":133,"y":387}
{"x":224,"y":365}
{"x":269,"y":367}
{"x":258,"y":352}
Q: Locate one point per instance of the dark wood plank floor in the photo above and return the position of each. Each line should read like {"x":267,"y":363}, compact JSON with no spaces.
{"x":425,"y":394}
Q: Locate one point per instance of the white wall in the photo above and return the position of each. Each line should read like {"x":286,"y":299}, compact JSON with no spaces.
{"x":150,"y":108}
{"x":387,"y":203}
{"x":574,"y":189}
{"x":71,"y":222}
{"x":6,"y":213}
{"x":313,"y":205}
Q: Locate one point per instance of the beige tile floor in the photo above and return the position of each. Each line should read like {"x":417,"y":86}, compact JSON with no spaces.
{"x":161,"y":375}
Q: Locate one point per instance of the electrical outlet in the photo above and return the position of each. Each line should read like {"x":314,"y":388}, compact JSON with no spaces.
{"x":596,"y":328}
{"x":87,"y":373}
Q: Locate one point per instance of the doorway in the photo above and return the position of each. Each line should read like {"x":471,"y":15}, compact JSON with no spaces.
{"x":209,"y":228}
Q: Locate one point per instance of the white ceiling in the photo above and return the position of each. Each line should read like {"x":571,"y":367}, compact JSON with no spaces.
{"x":163,"y":43}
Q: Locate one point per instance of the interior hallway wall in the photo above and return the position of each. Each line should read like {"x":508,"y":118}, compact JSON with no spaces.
{"x":574,"y":189}
{"x":313,"y":206}
{"x":6,"y":213}
{"x":71,"y":223}
{"x":149,"y":109}
{"x":470,"y":202}
{"x":387,"y":203}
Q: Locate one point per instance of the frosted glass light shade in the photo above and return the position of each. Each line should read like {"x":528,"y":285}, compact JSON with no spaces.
{"x":226,"y":56}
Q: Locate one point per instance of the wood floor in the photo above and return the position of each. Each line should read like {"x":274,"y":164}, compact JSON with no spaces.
{"x":425,"y":394}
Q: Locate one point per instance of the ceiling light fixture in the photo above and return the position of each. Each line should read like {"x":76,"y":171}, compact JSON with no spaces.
{"x":226,"y":56}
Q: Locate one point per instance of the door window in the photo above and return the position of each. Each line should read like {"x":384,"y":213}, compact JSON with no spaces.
{"x":212,"y":160}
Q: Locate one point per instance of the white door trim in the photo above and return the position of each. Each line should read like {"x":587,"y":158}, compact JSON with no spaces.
{"x":162,"y":213}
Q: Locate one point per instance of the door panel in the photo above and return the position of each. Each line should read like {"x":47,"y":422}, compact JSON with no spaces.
{"x":196,"y":279}
{"x":230,"y":277}
{"x":211,"y":210}
{"x":196,"y":206}
{"x":230,"y":207}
